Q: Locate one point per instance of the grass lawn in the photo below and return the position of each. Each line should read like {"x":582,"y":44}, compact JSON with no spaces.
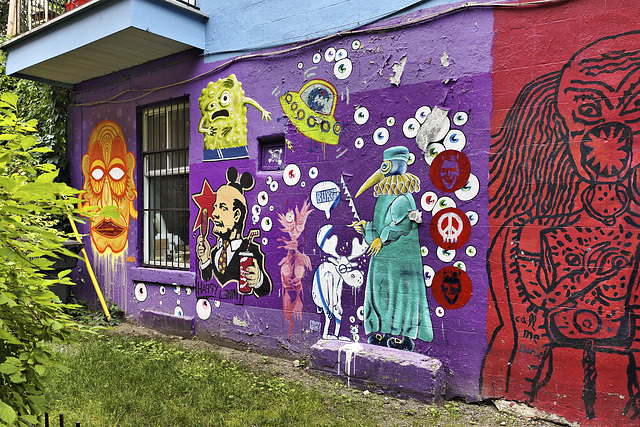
{"x":133,"y":381}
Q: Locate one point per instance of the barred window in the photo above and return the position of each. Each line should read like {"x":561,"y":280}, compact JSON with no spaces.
{"x":165,"y":157}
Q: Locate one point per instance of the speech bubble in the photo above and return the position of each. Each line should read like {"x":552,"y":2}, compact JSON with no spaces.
{"x":325,"y":196}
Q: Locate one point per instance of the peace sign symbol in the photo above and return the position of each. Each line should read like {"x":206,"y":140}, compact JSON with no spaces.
{"x":450,"y":228}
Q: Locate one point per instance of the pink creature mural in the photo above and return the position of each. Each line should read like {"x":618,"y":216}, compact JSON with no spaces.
{"x":294,"y":265}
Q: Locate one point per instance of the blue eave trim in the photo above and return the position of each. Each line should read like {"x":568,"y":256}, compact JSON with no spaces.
{"x":99,"y":19}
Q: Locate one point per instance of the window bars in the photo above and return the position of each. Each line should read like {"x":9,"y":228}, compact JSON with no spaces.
{"x":165,"y":152}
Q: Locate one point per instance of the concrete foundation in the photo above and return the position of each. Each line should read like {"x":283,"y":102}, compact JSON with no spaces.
{"x":395,"y":372}
{"x":181,"y":326}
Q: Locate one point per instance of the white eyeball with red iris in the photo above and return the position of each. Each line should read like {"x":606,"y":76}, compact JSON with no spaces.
{"x":203,"y":309}
{"x":141,"y":292}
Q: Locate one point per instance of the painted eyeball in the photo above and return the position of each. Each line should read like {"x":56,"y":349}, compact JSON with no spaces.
{"x":289,"y":216}
{"x":470,"y":189}
{"x":162,"y":290}
{"x":460,"y":118}
{"x":270,"y":208}
{"x":381,"y":136}
{"x":424,"y":251}
{"x":341,"y":54}
{"x":266,"y":224}
{"x":439,"y":311}
{"x":412,"y":159}
{"x":300,"y":65}
{"x":273,"y":186}
{"x":359,"y":143}
{"x":265,"y":241}
{"x":432,"y":152}
{"x":360,"y":313}
{"x":141,"y":292}
{"x":422,"y":113}
{"x":187,"y":291}
{"x":385,"y":167}
{"x":410,"y":128}
{"x":255,"y":218}
{"x":116,"y":173}
{"x":461,"y":265}
{"x":355,"y":45}
{"x":352,"y":319}
{"x":473,"y":217}
{"x":291,"y":175}
{"x":428,"y":201}
{"x":471,"y":251}
{"x":263,"y":198}
{"x":445,"y":255}
{"x":455,"y":140}
{"x":178,"y":312}
{"x":256,"y":209}
{"x":313,"y":172}
{"x":361,"y":116}
{"x":203,"y":309}
{"x":268,"y":180}
{"x":343,"y":69}
{"x":303,"y":184}
{"x":391,"y":121}
{"x":443,"y":203}
{"x":176,"y":289}
{"x":428,"y":272}
{"x":225,"y":98}
{"x":317,"y":57}
{"x":97,"y":174}
{"x":330,"y":54}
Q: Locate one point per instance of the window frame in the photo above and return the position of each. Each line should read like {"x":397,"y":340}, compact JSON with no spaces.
{"x":147,"y":248}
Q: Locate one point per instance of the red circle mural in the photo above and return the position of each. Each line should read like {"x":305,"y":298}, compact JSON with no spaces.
{"x":450,"y":171}
{"x":450,"y":228}
{"x":451,"y":287}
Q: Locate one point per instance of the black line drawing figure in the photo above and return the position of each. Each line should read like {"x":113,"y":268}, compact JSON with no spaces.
{"x":565,"y":207}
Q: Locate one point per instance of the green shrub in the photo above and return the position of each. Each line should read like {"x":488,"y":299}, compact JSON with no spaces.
{"x":30,"y":314}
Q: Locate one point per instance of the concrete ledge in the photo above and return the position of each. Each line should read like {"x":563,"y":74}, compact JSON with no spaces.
{"x":403,"y":373}
{"x":182,"y":326}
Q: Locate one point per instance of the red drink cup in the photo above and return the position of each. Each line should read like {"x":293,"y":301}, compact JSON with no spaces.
{"x":246,"y":260}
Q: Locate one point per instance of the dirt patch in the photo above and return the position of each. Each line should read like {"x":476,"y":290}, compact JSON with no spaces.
{"x":399,"y":412}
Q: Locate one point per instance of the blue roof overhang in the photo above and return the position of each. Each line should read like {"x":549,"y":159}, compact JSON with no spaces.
{"x":104,"y":36}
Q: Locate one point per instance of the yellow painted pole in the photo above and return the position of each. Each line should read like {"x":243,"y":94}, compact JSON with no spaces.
{"x":90,"y":270}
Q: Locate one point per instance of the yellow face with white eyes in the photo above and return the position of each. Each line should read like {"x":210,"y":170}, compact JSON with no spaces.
{"x":224,"y":114}
{"x":108,"y":181}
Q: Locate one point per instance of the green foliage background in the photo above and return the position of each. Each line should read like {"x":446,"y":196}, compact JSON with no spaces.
{"x":30,"y":314}
{"x":45,"y":103}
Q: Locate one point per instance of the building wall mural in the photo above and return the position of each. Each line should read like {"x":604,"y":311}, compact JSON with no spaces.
{"x":563,"y":258}
{"x":223,"y":124}
{"x":457,"y":185}
{"x":292,"y":243}
{"x":108,"y":169}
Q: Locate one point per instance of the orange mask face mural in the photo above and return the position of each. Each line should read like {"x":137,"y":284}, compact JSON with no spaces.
{"x":108,"y":181}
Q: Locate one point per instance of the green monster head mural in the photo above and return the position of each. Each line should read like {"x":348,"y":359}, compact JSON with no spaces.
{"x":224,"y":118}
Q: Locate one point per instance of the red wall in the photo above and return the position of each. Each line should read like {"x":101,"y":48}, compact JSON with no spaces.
{"x":564,"y":297}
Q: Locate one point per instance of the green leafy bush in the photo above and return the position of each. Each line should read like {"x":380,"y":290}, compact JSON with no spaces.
{"x":45,"y":103}
{"x":30,"y":314}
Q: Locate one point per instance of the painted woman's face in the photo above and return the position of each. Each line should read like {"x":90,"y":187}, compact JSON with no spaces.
{"x":108,"y":181}
{"x":599,"y":99}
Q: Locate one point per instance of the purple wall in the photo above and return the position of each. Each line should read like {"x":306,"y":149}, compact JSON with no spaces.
{"x":447,"y":64}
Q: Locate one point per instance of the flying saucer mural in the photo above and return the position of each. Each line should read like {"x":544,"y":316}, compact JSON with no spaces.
{"x":312,"y":111}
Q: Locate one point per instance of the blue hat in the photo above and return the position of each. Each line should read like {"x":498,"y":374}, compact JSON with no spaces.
{"x":396,"y":153}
